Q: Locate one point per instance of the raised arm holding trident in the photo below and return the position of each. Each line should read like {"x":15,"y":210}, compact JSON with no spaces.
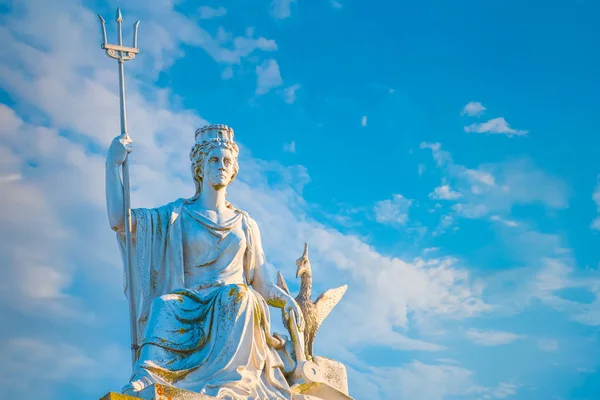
{"x":121,"y":199}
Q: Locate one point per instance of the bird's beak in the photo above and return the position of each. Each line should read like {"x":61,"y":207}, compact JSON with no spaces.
{"x":302,"y":262}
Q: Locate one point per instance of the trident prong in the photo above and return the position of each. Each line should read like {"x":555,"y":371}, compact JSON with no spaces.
{"x":135,"y":31}
{"x":120,"y":25}
{"x":118,"y":51}
{"x":103,"y":30}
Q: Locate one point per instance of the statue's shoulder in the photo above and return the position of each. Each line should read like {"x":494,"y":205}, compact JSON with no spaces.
{"x":173,"y":209}
{"x":247,"y":218}
{"x":177,"y":204}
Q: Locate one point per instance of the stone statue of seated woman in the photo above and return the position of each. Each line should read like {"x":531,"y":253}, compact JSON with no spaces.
{"x":201,"y":286}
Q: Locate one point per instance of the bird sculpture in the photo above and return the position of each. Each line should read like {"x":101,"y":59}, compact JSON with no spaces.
{"x":314,"y":312}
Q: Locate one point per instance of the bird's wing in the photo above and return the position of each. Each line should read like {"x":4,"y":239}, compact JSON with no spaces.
{"x":326,"y":301}
{"x":281,"y":283}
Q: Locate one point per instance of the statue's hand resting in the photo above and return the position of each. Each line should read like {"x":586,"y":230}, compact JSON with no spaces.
{"x":118,"y":150}
{"x":291,"y":305}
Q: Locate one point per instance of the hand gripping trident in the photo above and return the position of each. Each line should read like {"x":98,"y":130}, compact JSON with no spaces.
{"x":122,"y":54}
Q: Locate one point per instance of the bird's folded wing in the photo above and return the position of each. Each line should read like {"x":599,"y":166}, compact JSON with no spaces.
{"x":281,"y":283}
{"x":326,"y":301}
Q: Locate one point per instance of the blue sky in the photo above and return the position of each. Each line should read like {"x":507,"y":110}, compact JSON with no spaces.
{"x":440,"y":158}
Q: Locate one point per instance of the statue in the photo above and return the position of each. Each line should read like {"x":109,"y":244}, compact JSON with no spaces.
{"x":198,"y":288}
{"x":203,"y":290}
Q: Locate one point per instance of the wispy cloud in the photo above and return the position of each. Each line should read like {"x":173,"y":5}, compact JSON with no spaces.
{"x":289,"y":93}
{"x":206,"y":12}
{"x":267,"y":76}
{"x":501,"y":391}
{"x":492,"y":190}
{"x":547,"y":345}
{"x":495,"y":126}
{"x":507,"y":222}
{"x":596,"y":198}
{"x":444,"y":192}
{"x":492,"y":338}
{"x":290,"y":147}
{"x":363,"y":121}
{"x":473,"y":109}
{"x":336,"y":4}
{"x":281,"y":9}
{"x":394,"y":211}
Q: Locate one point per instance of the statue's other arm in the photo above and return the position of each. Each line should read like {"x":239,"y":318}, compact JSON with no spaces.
{"x":262,"y":283}
{"x":117,"y":153}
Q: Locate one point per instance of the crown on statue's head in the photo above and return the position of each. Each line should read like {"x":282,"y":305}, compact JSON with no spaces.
{"x":214,"y":133}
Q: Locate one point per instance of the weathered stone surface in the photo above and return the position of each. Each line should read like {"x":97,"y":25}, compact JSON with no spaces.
{"x":117,"y":396}
{"x":323,"y":391}
{"x":333,"y":373}
{"x":332,"y":384}
{"x":161,"y":392}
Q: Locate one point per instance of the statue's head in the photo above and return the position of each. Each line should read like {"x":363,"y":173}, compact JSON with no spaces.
{"x":214,"y":157}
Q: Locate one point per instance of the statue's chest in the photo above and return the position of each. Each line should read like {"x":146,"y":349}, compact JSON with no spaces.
{"x":206,"y":244}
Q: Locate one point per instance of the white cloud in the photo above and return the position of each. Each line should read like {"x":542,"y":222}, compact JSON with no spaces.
{"x":207,"y":12}
{"x":596,"y":198}
{"x":493,"y":190}
{"x":290,"y":147}
{"x":415,"y":381}
{"x":281,"y":9}
{"x":430,"y":250}
{"x":394,"y":211}
{"x":501,"y":391}
{"x":336,"y":4}
{"x":27,"y":359}
{"x":495,"y":126}
{"x":473,"y":109}
{"x":547,"y":345}
{"x":289,"y":93}
{"x":268,"y":76}
{"x":558,"y":273}
{"x":479,"y":176}
{"x":492,"y":338}
{"x":363,"y":121}
{"x":227,"y":73}
{"x":440,"y":156}
{"x":444,"y":192}
{"x":507,"y":222}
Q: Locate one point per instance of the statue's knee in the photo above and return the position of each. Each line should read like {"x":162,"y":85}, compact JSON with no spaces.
{"x":237,"y":292}
{"x":165,"y":299}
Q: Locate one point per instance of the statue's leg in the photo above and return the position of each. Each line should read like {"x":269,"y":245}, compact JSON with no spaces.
{"x":166,"y":339}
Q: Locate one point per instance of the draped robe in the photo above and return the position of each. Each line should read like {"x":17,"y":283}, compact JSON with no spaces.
{"x":202,"y":327}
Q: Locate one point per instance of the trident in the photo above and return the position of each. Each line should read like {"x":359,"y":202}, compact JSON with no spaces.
{"x":122,"y":54}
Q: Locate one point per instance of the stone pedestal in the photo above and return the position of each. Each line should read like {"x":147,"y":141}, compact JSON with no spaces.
{"x":330,"y":383}
{"x":117,"y":396}
{"x":160,"y":392}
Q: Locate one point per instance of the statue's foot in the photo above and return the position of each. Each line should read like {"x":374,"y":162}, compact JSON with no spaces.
{"x":136,"y":385}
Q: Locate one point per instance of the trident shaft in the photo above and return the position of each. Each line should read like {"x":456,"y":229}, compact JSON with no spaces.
{"x":122,"y":54}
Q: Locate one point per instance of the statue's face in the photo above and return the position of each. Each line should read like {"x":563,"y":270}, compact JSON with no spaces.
{"x":219,"y":167}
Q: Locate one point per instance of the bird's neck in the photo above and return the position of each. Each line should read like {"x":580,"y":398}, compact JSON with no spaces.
{"x":306,"y":286}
